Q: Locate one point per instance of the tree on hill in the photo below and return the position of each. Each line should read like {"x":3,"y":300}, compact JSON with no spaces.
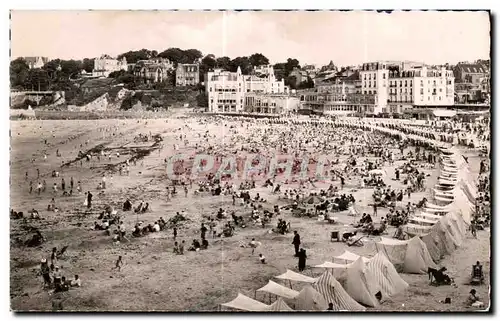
{"x":37,"y":79}
{"x":71,"y":68}
{"x":283,"y":69}
{"x":308,"y":83}
{"x":175,"y":55}
{"x":291,"y":81}
{"x":88,"y":64}
{"x":133,"y":57}
{"x":243,"y":63}
{"x":18,"y":72}
{"x":223,"y":63}
{"x":190,"y":56}
{"x":123,"y":77}
{"x":207,"y":63}
{"x":258,"y":59}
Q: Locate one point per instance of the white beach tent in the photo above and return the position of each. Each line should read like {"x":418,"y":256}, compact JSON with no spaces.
{"x":279,"y":306}
{"x":411,"y":255}
{"x":297,"y":277}
{"x":310,"y":300}
{"x":339,"y":271}
{"x":395,"y":250}
{"x":360,"y":285}
{"x":334,"y":293}
{"x":350,"y":257}
{"x":278,"y":290}
{"x":244,"y":303}
{"x":385,"y":274}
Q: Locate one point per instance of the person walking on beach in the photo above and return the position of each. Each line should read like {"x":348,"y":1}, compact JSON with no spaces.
{"x":118,"y":264}
{"x":296,"y":242}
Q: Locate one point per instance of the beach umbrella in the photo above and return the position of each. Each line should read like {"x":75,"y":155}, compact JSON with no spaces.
{"x":313,"y":200}
{"x":376,"y":172}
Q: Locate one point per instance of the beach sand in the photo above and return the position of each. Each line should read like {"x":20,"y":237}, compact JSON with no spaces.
{"x":153,"y":278}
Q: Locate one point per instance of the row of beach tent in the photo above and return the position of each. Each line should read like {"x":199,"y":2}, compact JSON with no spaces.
{"x":355,"y":283}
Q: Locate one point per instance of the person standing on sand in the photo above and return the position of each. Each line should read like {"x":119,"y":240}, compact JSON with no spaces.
{"x":37,"y":173}
{"x":63,"y":184}
{"x":31,"y":187}
{"x":374,"y":209}
{"x":296,"y":242}
{"x":71,"y":183}
{"x":175,"y":233}
{"x":302,"y":260}
{"x":203,"y":230}
{"x":89,"y":200}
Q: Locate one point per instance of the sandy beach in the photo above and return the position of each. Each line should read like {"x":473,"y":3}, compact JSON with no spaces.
{"x":152,"y":277}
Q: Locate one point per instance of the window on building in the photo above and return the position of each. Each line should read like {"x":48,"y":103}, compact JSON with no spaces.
{"x":374,"y":84}
{"x":421,"y":91}
{"x":401,"y":83}
{"x":383,"y":76}
{"x":406,"y":83}
{"x":210,"y":89}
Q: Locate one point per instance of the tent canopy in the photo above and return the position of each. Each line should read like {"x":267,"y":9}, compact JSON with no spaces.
{"x":331,"y":265}
{"x":293,"y":276}
{"x":244,"y":303}
{"x":279,"y":290}
{"x":334,"y":293}
{"x":349,"y":256}
{"x":279,"y":305}
{"x":388,"y":241}
{"x":422,"y":220}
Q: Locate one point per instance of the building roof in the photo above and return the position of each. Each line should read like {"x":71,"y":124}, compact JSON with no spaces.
{"x":32,"y":60}
{"x":472,"y":68}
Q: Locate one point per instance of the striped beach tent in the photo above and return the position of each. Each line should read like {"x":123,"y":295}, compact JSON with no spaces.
{"x":334,"y":293}
{"x":417,"y":259}
{"x":386,"y":276}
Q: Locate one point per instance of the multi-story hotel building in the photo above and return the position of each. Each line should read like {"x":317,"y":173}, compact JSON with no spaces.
{"x":226,"y":90}
{"x":187,"y":75}
{"x":105,"y":65}
{"x":420,"y":87}
{"x":153,"y":70}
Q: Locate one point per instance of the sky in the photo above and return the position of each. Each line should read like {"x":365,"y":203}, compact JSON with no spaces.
{"x":313,"y":37}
